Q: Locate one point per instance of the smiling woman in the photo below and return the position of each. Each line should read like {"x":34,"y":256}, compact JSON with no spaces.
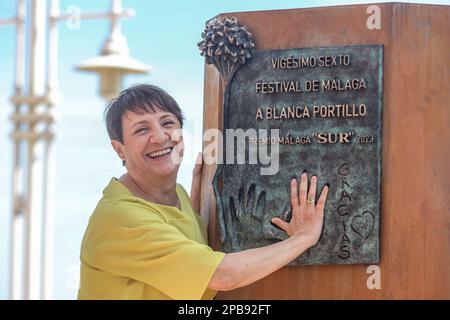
{"x":145,"y":239}
{"x":137,"y":101}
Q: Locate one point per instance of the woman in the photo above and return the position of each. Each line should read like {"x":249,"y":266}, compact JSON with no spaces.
{"x":144,"y":239}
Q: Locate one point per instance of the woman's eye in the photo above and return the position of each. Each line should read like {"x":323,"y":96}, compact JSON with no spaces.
{"x":168,"y":123}
{"x":141,"y":130}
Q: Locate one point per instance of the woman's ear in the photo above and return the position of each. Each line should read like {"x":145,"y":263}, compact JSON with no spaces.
{"x":119,"y":148}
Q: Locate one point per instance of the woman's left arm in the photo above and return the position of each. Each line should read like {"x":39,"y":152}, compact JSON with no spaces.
{"x":196,"y":183}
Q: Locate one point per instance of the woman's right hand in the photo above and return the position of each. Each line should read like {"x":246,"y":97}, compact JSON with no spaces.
{"x":242,"y":268}
{"x":307,"y":216}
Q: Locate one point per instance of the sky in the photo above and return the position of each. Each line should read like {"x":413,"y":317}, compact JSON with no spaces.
{"x":163,"y":34}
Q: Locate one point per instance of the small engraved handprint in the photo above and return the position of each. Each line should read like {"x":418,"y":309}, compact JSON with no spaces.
{"x":247,"y":221}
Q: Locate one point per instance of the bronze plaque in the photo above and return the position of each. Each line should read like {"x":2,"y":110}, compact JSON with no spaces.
{"x":315,"y":109}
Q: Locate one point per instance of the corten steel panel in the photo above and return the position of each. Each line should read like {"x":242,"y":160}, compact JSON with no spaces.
{"x":415,"y":224}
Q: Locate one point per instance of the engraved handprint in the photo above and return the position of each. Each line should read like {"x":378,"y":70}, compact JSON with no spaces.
{"x":247,"y":221}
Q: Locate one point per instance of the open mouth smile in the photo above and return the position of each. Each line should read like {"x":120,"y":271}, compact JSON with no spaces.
{"x":159,"y":153}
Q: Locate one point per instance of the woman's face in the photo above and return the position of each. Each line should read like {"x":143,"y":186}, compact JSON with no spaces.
{"x":152,"y":143}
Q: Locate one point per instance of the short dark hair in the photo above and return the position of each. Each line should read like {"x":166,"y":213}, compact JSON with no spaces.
{"x":139,"y":98}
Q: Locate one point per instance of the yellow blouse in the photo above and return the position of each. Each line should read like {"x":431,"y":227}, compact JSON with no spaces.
{"x":135,"y":249}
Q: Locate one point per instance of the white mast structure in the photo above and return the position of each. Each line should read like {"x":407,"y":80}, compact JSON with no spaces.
{"x":31,"y":258}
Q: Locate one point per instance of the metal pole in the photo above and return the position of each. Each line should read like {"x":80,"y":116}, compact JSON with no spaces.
{"x":34,"y":156}
{"x":116,"y":42}
{"x":17,"y":174}
{"x":47,"y":215}
{"x":126,"y":13}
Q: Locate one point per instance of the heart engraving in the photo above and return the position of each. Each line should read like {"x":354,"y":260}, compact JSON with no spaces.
{"x":362,"y":224}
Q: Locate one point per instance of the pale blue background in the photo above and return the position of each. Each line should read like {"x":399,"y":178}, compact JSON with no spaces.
{"x":164,"y":34}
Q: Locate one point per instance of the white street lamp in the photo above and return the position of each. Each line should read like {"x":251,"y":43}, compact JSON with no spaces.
{"x":33,"y":135}
{"x":113,"y":62}
{"x":111,"y":69}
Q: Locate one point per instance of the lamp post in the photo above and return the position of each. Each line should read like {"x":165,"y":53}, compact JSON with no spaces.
{"x":33,"y":136}
{"x":113,"y":61}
